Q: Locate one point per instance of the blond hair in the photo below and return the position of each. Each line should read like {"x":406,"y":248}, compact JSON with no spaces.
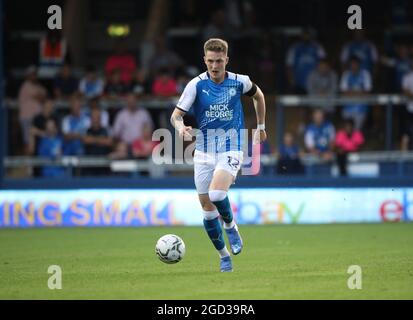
{"x":216,"y":45}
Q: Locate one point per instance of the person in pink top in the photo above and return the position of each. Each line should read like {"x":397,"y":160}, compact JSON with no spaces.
{"x":164,"y":85}
{"x":123,"y":61}
{"x":32,"y":95}
{"x":348,"y":140}
{"x":142,"y":148}
{"x":129,"y":126}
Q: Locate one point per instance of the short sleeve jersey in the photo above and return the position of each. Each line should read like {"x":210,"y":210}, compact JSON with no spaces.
{"x":218,"y":110}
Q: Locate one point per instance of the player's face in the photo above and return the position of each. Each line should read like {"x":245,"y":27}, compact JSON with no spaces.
{"x":216,"y":63}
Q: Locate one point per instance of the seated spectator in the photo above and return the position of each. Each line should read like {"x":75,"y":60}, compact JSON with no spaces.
{"x":97,"y":140}
{"x":289,"y":162}
{"x":30,"y":100}
{"x":182,"y":80}
{"x":123,"y":61}
{"x":114,"y":87}
{"x":74,"y":127}
{"x":94,"y":104}
{"x":38,"y":128}
{"x":355,"y":82}
{"x":319,"y":137}
{"x":323,"y":82}
{"x":50,"y":146}
{"x":348,"y":140}
{"x":139,"y":84}
{"x":361,"y":48}
{"x":65,"y":84}
{"x":129,"y":125}
{"x":142,"y":148}
{"x":302,"y":58}
{"x":164,"y":85}
{"x":407,"y":127}
{"x":400,"y":64}
{"x":91,"y":86}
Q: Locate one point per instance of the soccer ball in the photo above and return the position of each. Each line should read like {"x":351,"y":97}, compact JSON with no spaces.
{"x":170,"y":248}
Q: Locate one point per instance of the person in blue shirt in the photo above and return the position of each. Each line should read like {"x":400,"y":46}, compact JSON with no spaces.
{"x":400,"y":64}
{"x":50,"y":146}
{"x":215,"y":96}
{"x":74,"y":127}
{"x":319,"y":137}
{"x":361,"y":48}
{"x":289,"y":162}
{"x":302,"y":58}
{"x":355,"y":82}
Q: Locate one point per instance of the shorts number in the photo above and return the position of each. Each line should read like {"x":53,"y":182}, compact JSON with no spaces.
{"x":233,"y":162}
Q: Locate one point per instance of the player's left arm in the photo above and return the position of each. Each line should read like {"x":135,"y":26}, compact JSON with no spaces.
{"x":259,"y":105}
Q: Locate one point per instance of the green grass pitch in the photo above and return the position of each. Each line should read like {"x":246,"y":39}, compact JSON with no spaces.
{"x":278,"y":262}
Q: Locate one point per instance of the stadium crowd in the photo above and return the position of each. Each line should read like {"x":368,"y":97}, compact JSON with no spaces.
{"x":88,"y":129}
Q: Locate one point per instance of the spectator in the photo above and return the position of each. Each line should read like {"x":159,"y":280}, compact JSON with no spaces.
{"x":50,"y":146}
{"x":164,"y":58}
{"x":30,"y":99}
{"x":355,"y":82}
{"x":97,"y":140}
{"x":140,"y":84}
{"x":142,"y":147}
{"x":129,"y":126}
{"x":289,"y":162}
{"x":407,"y":128}
{"x":265,"y":65}
{"x":217,"y":26}
{"x":114,"y":86}
{"x":164,"y":85}
{"x":401,"y":65}
{"x":94,"y":104}
{"x":182,"y":80}
{"x":53,"y":51}
{"x":348,"y":140}
{"x":123,"y":61}
{"x":38,"y":127}
{"x":361,"y":48}
{"x":65,"y":84}
{"x":97,"y":143}
{"x":302,"y":58}
{"x":91,"y":86}
{"x":74,"y":127}
{"x":323,"y":82}
{"x":319,"y":137}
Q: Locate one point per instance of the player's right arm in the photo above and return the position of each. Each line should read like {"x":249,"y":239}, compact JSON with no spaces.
{"x":184,"y":104}
{"x":177,"y":121}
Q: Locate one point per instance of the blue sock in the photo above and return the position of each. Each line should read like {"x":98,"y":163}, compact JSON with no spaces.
{"x":214,"y":230}
{"x":224,"y":209}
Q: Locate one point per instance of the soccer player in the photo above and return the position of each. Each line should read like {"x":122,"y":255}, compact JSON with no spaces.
{"x":215,"y":96}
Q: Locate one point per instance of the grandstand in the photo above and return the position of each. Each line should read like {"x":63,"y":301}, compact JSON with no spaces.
{"x":153,"y":22}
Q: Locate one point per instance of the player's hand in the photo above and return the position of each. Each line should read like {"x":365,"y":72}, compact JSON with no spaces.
{"x":185,"y":132}
{"x":259,"y":136}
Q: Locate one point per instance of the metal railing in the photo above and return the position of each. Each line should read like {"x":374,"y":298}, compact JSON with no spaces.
{"x":135,"y":167}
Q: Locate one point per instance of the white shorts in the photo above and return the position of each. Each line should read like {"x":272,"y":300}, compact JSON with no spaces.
{"x":205,"y":165}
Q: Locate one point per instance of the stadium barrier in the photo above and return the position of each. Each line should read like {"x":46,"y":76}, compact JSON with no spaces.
{"x":361,"y":164}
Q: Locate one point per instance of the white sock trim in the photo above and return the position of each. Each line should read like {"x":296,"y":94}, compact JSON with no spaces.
{"x":217,"y":195}
{"x":223,"y":252}
{"x":229,"y":225}
{"x":210,"y":215}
